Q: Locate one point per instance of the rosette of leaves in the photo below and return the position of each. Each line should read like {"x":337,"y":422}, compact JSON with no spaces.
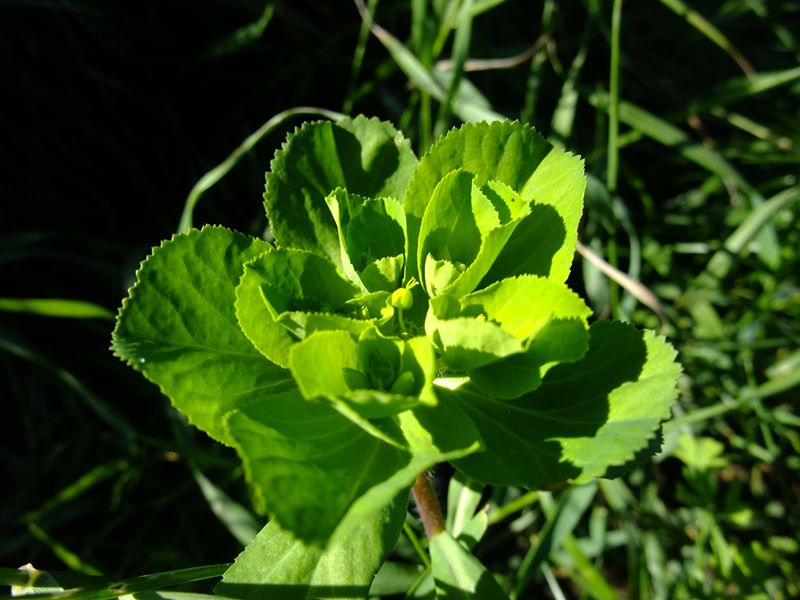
{"x":410,"y":312}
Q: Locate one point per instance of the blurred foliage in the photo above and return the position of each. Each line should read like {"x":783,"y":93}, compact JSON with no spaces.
{"x":113,"y":111}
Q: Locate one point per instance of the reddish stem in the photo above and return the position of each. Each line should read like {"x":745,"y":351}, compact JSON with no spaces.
{"x":428,"y":504}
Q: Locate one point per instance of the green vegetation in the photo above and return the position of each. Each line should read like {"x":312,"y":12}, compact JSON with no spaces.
{"x":687,"y":119}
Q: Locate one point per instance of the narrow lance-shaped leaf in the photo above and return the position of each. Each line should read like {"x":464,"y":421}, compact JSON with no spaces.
{"x":458,"y":575}
{"x":178,"y":327}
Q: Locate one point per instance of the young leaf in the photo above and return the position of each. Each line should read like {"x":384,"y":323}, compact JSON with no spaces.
{"x":469,"y":343}
{"x":463,"y":231}
{"x":178,"y":328}
{"x":450,"y":230}
{"x":277,"y":565}
{"x":463,"y":499}
{"x":276,"y":292}
{"x":372,"y":236}
{"x":376,"y":377}
{"x":515,"y":155}
{"x":584,"y":418}
{"x":507,"y":318}
{"x":317,"y":472}
{"x":458,"y":574}
{"x":364,"y":156}
{"x":559,"y":341}
{"x":523,"y":305}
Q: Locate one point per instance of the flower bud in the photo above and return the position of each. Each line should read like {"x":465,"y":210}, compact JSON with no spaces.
{"x":402,"y":298}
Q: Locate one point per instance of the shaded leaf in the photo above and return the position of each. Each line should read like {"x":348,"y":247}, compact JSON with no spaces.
{"x":364,"y":156}
{"x":463,"y":230}
{"x":458,"y":574}
{"x":375,"y":376}
{"x":584,"y":418}
{"x":318,"y":472}
{"x":508,"y":318}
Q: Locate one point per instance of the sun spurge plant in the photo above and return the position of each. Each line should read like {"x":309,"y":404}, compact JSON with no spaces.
{"x":410,"y":312}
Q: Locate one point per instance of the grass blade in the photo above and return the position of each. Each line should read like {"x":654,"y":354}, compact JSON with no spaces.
{"x":667,"y":134}
{"x":358,"y":59}
{"x":213,"y":176}
{"x":744,"y":87}
{"x":586,"y":575}
{"x":720,"y":264}
{"x":564,"y":114}
{"x":699,"y":22}
{"x":538,"y":60}
{"x":422,"y":78}
{"x":105,"y":412}
{"x":64,"y":554}
{"x":244,"y":35}
{"x":613,"y":100}
{"x":83,"y":484}
{"x":459,"y":56}
{"x":560,"y":523}
{"x":238,"y":520}
{"x":56,"y":307}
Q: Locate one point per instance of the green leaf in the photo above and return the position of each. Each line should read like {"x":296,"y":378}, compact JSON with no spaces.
{"x":508,"y":318}
{"x":458,"y":574}
{"x":584,"y":418}
{"x":318,"y":472}
{"x":469,"y":343}
{"x":297,"y":280}
{"x":364,"y":156}
{"x":56,"y":307}
{"x":463,"y":499}
{"x":451,"y":228}
{"x":178,"y":327}
{"x":384,"y":274}
{"x":515,"y":155}
{"x":372,"y":235}
{"x":560,"y":341}
{"x":376,"y":377}
{"x":525,"y":304}
{"x":276,"y":293}
{"x":239,"y":521}
{"x":277,"y":565}
{"x":701,"y":454}
{"x":463,"y":231}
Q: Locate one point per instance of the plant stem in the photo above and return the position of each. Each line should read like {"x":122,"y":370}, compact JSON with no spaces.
{"x":428,"y":504}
